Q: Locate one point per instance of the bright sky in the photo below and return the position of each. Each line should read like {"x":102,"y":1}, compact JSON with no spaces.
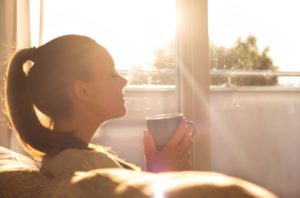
{"x":129,"y":29}
{"x":273,"y":22}
{"x":132,"y":29}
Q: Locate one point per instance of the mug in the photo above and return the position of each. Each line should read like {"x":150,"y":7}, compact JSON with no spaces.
{"x":163,"y":126}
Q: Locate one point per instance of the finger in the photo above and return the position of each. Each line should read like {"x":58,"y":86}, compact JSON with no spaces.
{"x":186,"y":145}
{"x":187,"y":166}
{"x":149,"y":145}
{"x":184,"y":161}
{"x":179,"y":134}
{"x":187,"y":141}
{"x":186,"y":158}
{"x":187,"y":133}
{"x":191,"y":128}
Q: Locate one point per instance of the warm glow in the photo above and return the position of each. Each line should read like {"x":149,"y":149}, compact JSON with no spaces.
{"x":129,"y":29}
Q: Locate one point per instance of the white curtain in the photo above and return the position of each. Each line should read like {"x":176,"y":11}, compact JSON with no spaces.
{"x":15,"y":34}
{"x":7,"y":45}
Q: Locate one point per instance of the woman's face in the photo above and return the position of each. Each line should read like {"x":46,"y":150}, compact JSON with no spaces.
{"x":106,"y":91}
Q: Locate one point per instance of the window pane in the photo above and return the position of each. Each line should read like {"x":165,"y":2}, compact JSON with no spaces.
{"x":254,"y":35}
{"x":139,"y":34}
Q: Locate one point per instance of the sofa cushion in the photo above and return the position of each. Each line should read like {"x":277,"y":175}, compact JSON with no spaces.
{"x":122,"y":183}
{"x":19,"y":176}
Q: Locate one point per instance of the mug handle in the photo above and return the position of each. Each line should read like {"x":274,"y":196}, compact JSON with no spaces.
{"x":192,"y":133}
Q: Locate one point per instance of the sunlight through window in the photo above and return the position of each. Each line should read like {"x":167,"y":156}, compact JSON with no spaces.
{"x":131,"y":30}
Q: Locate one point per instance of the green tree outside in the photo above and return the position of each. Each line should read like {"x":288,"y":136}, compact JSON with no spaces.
{"x":243,"y":55}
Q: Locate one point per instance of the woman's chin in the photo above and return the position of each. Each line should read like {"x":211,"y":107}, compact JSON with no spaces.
{"x":121,"y":113}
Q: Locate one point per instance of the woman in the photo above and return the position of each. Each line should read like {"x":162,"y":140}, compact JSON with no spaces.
{"x":56,"y":105}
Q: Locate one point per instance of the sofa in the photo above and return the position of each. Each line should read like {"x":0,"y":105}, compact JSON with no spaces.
{"x":20,"y":177}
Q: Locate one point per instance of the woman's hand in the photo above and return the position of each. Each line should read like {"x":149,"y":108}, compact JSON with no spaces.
{"x":174,"y":156}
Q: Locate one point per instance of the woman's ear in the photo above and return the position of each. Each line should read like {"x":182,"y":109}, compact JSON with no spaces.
{"x":80,"y":90}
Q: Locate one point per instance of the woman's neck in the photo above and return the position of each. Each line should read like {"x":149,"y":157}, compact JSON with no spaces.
{"x":82,"y":126}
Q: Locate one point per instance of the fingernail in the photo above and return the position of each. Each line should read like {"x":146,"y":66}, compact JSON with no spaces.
{"x":187,"y":125}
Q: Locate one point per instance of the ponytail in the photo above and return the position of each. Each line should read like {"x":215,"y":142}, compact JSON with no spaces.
{"x":35,"y":138}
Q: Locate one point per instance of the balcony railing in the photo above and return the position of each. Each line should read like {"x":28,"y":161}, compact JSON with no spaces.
{"x":231,"y":73}
{"x":287,"y":80}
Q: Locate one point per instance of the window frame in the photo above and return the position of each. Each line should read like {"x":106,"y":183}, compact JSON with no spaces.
{"x":193,"y":71}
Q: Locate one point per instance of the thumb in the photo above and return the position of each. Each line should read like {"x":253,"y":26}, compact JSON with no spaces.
{"x":149,"y":145}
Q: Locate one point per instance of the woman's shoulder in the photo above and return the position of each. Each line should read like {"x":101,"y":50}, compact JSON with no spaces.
{"x":108,"y":151}
{"x":73,"y":159}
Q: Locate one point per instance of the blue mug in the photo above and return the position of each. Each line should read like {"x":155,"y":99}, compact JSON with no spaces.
{"x":163,"y":126}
